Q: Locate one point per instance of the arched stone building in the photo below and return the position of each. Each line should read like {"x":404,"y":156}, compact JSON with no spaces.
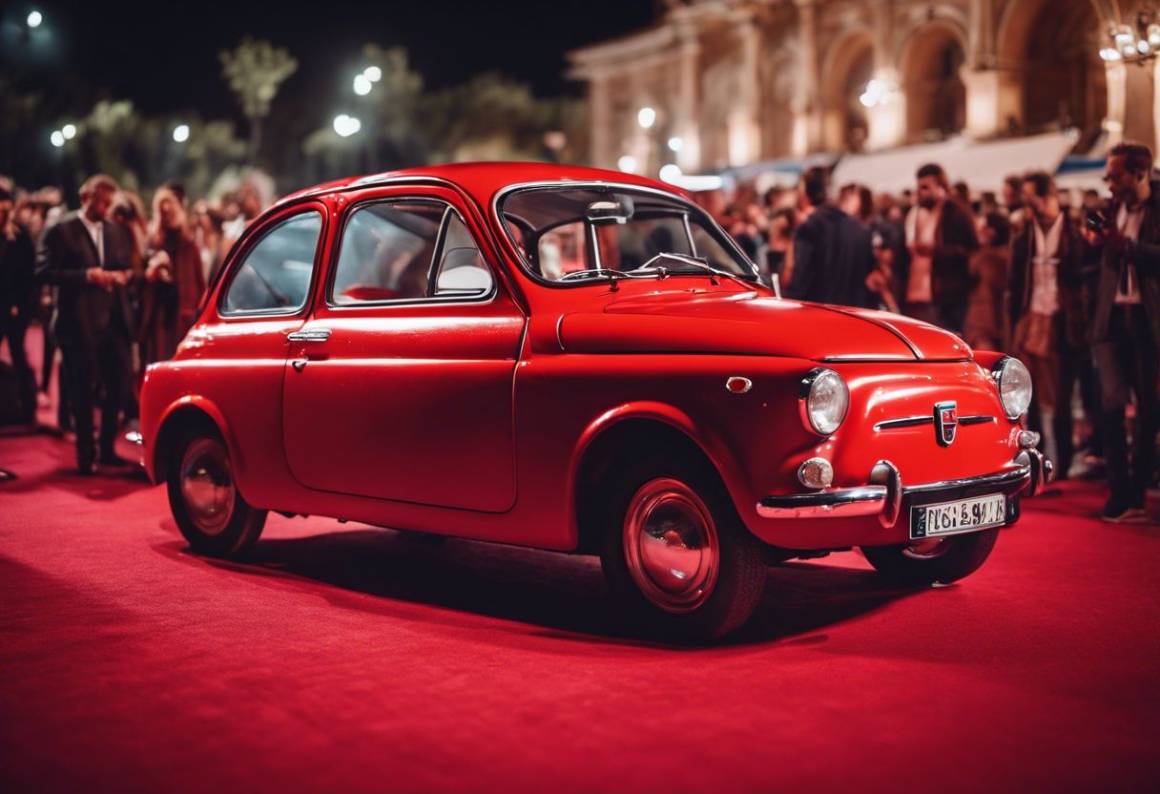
{"x":737,"y":81}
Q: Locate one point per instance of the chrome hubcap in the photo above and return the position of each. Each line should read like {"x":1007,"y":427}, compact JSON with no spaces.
{"x":670,"y":545}
{"x":207,"y":485}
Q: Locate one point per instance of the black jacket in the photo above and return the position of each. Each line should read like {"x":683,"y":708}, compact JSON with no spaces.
{"x":83,"y":310}
{"x":832,"y":255}
{"x":1145,"y":255}
{"x":17,"y":275}
{"x":1070,"y":275}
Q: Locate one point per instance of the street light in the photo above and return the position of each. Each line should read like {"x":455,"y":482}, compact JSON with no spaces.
{"x":646,"y":117}
{"x":373,"y":73}
{"x":181,"y":133}
{"x":346,"y":126}
{"x":69,"y":131}
{"x":627,"y":163}
{"x":57,"y":138}
{"x":675,"y":144}
{"x":362,"y":84}
{"x":34,"y":19}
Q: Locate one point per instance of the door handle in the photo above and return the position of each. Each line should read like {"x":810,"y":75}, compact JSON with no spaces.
{"x":309,"y":335}
{"x":299,"y":364}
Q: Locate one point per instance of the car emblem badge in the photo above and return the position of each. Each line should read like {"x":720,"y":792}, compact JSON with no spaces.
{"x":946,"y":422}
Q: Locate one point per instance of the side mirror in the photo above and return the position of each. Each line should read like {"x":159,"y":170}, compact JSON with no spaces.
{"x":606,"y":211}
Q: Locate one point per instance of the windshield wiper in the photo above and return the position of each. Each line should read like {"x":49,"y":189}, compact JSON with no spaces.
{"x":595,"y":272}
{"x":685,"y":260}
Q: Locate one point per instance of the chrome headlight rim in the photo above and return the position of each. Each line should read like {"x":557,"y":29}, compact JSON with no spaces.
{"x":999,"y":371}
{"x":808,"y":390}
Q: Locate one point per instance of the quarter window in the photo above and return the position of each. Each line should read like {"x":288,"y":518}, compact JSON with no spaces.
{"x":275,"y":275}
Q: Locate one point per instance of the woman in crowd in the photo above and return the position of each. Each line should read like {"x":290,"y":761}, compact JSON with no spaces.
{"x":983,"y":328}
{"x":174,"y":280}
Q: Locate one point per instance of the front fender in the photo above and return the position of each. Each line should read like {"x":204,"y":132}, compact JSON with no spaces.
{"x":157,"y":431}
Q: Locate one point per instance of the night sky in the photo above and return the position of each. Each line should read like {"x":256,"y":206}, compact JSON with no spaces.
{"x":163,"y":55}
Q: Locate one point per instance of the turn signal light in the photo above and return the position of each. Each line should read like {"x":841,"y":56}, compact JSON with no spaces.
{"x":816,"y":473}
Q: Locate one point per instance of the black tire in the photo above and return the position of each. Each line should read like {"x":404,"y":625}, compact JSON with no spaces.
{"x":208,"y":508}
{"x":957,"y":557}
{"x":708,"y":612}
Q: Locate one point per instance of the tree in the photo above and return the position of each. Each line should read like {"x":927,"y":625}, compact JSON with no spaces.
{"x":254,"y":71}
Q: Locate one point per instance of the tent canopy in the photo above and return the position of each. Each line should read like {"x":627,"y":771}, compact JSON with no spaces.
{"x":981,"y":164}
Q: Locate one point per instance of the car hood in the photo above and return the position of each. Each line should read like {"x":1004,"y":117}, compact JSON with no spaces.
{"x":748,"y":323}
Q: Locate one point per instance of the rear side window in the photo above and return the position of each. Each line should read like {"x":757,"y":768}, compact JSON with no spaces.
{"x":407,"y":250}
{"x":274,"y":277}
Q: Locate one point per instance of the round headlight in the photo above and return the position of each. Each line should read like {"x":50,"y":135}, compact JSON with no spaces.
{"x":826,"y":400}
{"x":1014,"y":386}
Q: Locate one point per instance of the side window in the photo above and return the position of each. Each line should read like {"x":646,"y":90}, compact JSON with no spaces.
{"x":386,"y":252}
{"x":275,"y":274}
{"x":461,"y":269}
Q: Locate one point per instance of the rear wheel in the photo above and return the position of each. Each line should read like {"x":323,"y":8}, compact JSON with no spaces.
{"x":676,"y":554}
{"x":933,"y":560}
{"x":204,"y":498}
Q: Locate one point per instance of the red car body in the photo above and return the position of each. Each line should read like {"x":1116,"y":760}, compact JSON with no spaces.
{"x":486,"y":419}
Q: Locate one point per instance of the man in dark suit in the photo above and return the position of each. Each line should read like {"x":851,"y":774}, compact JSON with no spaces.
{"x":1126,"y":327}
{"x":17,"y":304}
{"x":832,"y":253}
{"x":86,"y":259}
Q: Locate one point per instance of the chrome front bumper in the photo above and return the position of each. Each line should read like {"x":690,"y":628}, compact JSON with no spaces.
{"x":886,"y":494}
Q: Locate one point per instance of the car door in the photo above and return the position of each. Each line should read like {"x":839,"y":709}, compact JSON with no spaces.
{"x":399,"y":386}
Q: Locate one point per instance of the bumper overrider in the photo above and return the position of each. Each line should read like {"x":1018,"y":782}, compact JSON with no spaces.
{"x":886,"y":496}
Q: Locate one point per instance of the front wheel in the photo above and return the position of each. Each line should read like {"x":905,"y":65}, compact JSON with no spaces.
{"x":204,"y":498}
{"x":676,"y":554}
{"x":933,"y":560}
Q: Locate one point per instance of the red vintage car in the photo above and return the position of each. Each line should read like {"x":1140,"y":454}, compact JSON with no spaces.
{"x":578,"y":360}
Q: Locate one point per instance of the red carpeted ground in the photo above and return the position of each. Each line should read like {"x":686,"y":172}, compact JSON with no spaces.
{"x":342,"y":658}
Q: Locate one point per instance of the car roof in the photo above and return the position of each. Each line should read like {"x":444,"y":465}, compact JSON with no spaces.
{"x":482,"y":180}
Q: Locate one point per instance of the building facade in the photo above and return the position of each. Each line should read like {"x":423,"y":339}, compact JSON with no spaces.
{"x":722,"y":83}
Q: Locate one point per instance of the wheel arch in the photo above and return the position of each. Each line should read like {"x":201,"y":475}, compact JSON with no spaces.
{"x":187,"y":413}
{"x":634,"y":426}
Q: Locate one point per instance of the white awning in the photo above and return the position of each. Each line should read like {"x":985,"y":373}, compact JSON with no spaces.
{"x":981,"y":164}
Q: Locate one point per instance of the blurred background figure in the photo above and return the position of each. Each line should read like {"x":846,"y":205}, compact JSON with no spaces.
{"x":18,"y":297}
{"x":174,"y":280}
{"x":1126,"y":327}
{"x":832,"y":252}
{"x":1046,"y":311}
{"x":87,"y":260}
{"x":940,"y":233}
{"x":984,"y":326}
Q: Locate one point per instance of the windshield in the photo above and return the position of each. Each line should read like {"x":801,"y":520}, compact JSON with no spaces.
{"x":574,"y":234}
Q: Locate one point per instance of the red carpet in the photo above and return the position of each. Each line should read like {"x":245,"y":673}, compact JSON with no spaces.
{"x":347,"y":659}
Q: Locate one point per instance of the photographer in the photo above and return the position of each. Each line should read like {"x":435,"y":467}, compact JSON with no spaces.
{"x":1126,"y":326}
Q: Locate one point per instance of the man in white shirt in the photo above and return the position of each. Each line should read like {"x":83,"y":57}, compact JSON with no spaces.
{"x":1126,"y":327}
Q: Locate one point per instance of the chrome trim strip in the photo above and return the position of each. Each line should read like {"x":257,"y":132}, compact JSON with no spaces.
{"x":912,"y":421}
{"x":867,"y":500}
{"x":1008,"y":477}
{"x":850,"y":358}
{"x":906,"y":421}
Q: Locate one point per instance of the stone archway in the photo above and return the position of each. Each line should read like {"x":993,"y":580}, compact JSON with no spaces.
{"x":936,"y":99}
{"x":1049,"y":51}
{"x":847,"y":68}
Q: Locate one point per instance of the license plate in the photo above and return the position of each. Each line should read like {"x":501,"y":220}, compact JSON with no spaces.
{"x":963,"y":515}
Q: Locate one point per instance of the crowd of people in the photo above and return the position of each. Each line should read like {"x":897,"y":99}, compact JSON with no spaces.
{"x":114,"y":286}
{"x":1068,"y":287}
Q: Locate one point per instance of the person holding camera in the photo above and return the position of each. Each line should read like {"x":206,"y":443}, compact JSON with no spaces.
{"x":86,"y":260}
{"x":1126,"y":326}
